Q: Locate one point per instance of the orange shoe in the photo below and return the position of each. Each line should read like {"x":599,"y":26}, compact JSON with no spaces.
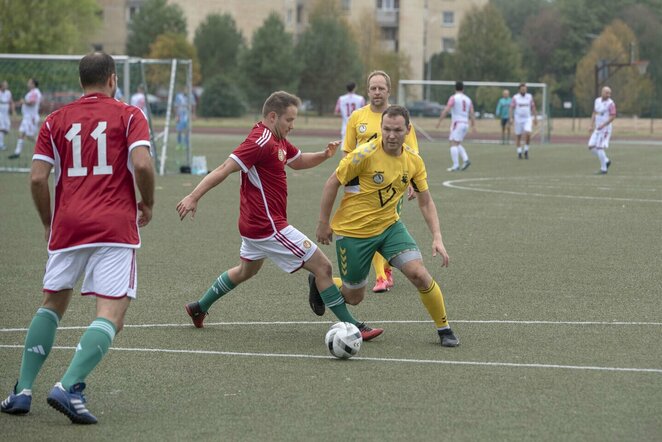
{"x":381,"y":286}
{"x":368,"y":333}
{"x":389,"y":277}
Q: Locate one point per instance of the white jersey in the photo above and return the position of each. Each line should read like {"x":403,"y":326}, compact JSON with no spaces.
{"x":31,"y":111}
{"x":604,"y":109}
{"x":5,"y":100}
{"x":348,"y":103}
{"x":138,"y":100}
{"x":460,"y":106}
{"x":522,"y":106}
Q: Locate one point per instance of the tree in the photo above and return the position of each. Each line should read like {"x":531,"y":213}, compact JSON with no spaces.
{"x":516,"y":13}
{"x":541,"y":36}
{"x":221,"y":98}
{"x":218,"y":42}
{"x":329,"y":57}
{"x":52,"y":27}
{"x":154,"y":18}
{"x":485,"y":50}
{"x":629,"y":89}
{"x":171,"y":46}
{"x":269,"y":65}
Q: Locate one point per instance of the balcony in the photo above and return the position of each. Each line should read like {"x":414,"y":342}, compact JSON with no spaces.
{"x":387,"y":17}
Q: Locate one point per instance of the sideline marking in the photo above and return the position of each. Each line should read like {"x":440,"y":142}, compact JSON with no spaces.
{"x":358,"y":358}
{"x":461,"y":321}
{"x":452,"y":184}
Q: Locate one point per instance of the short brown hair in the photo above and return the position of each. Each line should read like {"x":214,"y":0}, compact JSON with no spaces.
{"x":95,"y":69}
{"x":278,"y":102}
{"x":383,"y":74}
{"x":395,"y":110}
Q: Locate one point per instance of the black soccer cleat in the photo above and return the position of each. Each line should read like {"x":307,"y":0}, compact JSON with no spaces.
{"x":314,"y":297}
{"x":448,"y":338}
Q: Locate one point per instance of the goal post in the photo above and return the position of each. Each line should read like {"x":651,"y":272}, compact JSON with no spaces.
{"x":162,"y":80}
{"x":484,"y":95}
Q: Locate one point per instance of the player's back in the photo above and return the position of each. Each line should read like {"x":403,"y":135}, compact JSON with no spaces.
{"x":348,"y":103}
{"x":461,"y":107}
{"x":89,"y":142}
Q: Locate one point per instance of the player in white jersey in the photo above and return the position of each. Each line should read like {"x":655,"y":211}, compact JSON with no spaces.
{"x":462,"y":113}
{"x":30,"y":112}
{"x":6,"y":108}
{"x":347,"y":104}
{"x":604,"y":112}
{"x":522,"y":116}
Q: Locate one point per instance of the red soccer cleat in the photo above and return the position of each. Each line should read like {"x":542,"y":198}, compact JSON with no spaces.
{"x":381,"y":286}
{"x":196,"y":314}
{"x":368,"y":333}
{"x":389,"y":277}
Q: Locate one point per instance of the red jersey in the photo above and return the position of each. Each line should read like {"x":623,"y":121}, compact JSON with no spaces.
{"x":89,"y":142}
{"x":262,"y":158}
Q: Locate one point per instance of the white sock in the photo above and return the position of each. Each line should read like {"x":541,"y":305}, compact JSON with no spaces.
{"x":19,"y":146}
{"x":463,"y":153}
{"x":455,"y":156}
{"x":603,"y":159}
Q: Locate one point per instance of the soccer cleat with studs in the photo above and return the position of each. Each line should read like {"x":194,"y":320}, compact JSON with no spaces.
{"x":389,"y":277}
{"x":381,"y":285}
{"x":314,"y":297}
{"x":448,"y":338}
{"x":17,"y":403}
{"x":368,"y":333}
{"x":71,"y":403}
{"x":195,"y":312}
{"x":452,"y":169}
{"x":466,"y":165}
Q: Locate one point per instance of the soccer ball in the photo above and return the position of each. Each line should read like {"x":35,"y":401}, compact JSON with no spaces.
{"x":343,"y":340}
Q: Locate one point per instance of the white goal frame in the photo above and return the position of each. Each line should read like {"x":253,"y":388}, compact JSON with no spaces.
{"x":543,"y":111}
{"x":123,"y":67}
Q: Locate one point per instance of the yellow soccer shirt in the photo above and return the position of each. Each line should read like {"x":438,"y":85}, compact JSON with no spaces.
{"x":364,"y":125}
{"x":374,"y":183}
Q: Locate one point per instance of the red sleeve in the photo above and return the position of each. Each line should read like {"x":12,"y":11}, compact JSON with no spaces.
{"x":138,"y":130}
{"x":248,"y":153}
{"x":44,"y":146}
{"x":292,"y":151}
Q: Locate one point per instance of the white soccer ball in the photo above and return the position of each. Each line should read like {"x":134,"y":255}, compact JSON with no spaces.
{"x":343,"y":340}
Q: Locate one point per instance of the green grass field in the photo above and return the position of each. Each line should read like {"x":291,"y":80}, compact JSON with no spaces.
{"x":553,"y":288}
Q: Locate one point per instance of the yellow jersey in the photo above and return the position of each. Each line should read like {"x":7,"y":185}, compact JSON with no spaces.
{"x":364,"y":125}
{"x":374,"y":183}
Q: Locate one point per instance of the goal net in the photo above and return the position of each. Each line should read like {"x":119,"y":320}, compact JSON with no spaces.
{"x":167,"y":85}
{"x":425,"y":98}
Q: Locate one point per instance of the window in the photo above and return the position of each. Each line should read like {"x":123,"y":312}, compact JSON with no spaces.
{"x":388,"y":5}
{"x":390,"y":33}
{"x":448,"y":18}
{"x":346,"y":5}
{"x":299,"y":13}
{"x":448,"y":44}
{"x":289,"y":16}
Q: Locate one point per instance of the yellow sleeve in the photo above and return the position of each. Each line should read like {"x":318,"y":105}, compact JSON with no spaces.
{"x":420,"y":179}
{"x":411,"y":140}
{"x":349,"y":143}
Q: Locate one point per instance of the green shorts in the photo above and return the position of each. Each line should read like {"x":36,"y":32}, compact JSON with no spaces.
{"x":395,"y":244}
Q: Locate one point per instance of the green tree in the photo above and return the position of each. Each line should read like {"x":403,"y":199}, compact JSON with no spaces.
{"x":270,"y":64}
{"x":485,"y":50}
{"x":52,"y":27}
{"x":328,"y":56}
{"x":517,"y":12}
{"x":630,"y":90}
{"x":222,"y":97}
{"x":171,"y":46}
{"x":154,"y":18}
{"x":219,"y":43}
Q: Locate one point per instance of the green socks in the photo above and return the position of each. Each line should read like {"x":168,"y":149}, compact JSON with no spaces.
{"x":333,"y":299}
{"x":220,"y":287}
{"x":38,"y":344}
{"x":93,"y":345}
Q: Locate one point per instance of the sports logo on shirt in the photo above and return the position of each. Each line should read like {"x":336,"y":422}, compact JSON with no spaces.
{"x":362,"y":128}
{"x":306,"y":244}
{"x":281,"y":155}
{"x":378,"y":178}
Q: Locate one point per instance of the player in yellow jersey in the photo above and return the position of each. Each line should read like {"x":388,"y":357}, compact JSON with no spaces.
{"x":376,"y":175}
{"x":365,"y":125}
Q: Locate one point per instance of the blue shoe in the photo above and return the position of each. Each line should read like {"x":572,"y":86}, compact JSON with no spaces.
{"x":17,"y":403}
{"x":71,"y":403}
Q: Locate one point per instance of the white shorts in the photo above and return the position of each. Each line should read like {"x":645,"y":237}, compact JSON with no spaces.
{"x":521,"y":126}
{"x":600,"y":138}
{"x":110,"y":272}
{"x":289,"y":249}
{"x":29,"y":126}
{"x":458,"y":131}
{"x":5,"y":122}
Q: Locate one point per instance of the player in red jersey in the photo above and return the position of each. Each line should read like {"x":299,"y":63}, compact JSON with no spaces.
{"x":99,"y":148}
{"x":263,"y":226}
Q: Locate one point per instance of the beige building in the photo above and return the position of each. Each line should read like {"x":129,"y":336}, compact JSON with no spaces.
{"x":417,"y":28}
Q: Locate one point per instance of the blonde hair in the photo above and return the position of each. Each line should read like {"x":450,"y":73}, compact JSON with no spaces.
{"x":383,"y":74}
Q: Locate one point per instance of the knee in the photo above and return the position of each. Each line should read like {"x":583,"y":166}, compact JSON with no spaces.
{"x":420,"y":277}
{"x":353,"y":297}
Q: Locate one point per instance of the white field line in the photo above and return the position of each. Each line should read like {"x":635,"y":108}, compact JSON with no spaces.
{"x":358,"y":358}
{"x":460,"y":321}
{"x":456,"y":184}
